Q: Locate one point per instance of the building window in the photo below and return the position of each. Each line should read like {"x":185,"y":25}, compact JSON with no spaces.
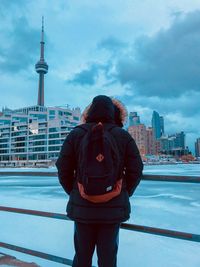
{"x":5,"y":140}
{"x":76,"y":118}
{"x":42,"y":156}
{"x":53,"y":155}
{"x":5,"y":122}
{"x":4,"y":146}
{"x":54,"y":148}
{"x":52,"y":112}
{"x":68,"y":113}
{"x":37,"y":149}
{"x":55,"y":142}
{"x":53,"y":135}
{"x":36,"y":137}
{"x":4,"y":151}
{"x":53,"y":129}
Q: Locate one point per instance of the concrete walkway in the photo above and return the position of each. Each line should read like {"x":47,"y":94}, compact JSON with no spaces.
{"x":10,"y":261}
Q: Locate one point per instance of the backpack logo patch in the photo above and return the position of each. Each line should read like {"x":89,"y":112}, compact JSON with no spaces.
{"x":100,"y":157}
{"x":109,"y":188}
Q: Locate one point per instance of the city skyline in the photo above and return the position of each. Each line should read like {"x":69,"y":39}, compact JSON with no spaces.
{"x":153,"y":140}
{"x":126,"y":50}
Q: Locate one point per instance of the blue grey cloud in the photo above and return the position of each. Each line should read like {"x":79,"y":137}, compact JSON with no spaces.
{"x":86,"y":76}
{"x":167,"y":64}
{"x":186,"y":104}
{"x":7,"y":6}
{"x":111,"y":44}
{"x":89,"y":75}
{"x":162,"y":71}
{"x":21,"y":51}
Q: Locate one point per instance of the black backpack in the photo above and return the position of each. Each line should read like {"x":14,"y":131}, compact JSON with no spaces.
{"x":99,"y":162}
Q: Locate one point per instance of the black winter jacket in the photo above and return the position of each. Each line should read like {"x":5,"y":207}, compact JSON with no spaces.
{"x":117,"y":209}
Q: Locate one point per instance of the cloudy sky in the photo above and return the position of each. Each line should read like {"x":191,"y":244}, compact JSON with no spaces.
{"x":145,"y":53}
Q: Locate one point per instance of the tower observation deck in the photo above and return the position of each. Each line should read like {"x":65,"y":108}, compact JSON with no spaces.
{"x":41,"y":68}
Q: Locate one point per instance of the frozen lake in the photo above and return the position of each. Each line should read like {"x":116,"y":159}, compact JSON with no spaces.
{"x":168,"y":205}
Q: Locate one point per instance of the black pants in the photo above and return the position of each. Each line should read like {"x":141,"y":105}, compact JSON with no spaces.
{"x":104,"y":236}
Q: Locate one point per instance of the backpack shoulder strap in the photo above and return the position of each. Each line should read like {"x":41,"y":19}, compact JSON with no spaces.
{"x":109,"y":127}
{"x":86,"y":126}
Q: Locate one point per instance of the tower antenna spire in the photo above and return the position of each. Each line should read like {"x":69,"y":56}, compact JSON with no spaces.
{"x":42,"y":41}
{"x":42,"y":33}
{"x":41,"y":68}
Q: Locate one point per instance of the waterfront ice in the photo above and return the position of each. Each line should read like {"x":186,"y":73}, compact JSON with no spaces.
{"x":174,"y":206}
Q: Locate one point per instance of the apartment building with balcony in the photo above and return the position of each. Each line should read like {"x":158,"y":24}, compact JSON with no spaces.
{"x":34,"y":135}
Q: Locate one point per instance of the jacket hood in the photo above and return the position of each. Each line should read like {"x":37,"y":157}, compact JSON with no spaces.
{"x":113,"y":109}
{"x":101,"y":109}
{"x":121,"y":112}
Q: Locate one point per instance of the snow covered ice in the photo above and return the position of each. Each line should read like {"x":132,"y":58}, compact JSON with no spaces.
{"x":174,"y":206}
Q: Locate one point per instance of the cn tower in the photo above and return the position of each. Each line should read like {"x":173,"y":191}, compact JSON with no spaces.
{"x":41,"y":68}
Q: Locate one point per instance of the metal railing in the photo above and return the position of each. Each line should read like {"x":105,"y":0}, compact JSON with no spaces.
{"x":126,"y":226}
{"x":149,"y":177}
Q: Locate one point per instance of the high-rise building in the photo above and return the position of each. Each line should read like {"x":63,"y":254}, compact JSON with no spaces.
{"x":157,"y":123}
{"x":138,"y":132}
{"x":134,"y":119}
{"x":157,"y":147}
{"x":162,"y":125}
{"x":150,"y":141}
{"x":179,"y":140}
{"x":34,"y":134}
{"x":165,"y":144}
{"x":173,"y":144}
{"x":197,"y":147}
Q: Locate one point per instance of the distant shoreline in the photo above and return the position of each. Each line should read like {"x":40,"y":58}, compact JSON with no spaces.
{"x":46,"y":168}
{"x":170,"y":163}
